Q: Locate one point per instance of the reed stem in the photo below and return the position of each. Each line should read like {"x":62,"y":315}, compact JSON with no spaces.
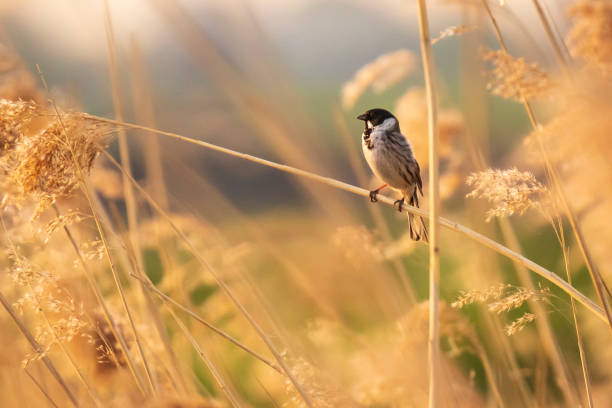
{"x":446,"y":223}
{"x":434,"y":207}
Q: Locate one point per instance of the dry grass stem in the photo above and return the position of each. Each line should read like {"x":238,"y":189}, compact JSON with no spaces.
{"x":38,"y":349}
{"x":497,"y":247}
{"x":222,"y":285}
{"x":206,"y":359}
{"x":168,"y":300}
{"x":596,"y":277}
{"x":434,"y":207}
{"x":453,"y":31}
{"x":194,"y":275}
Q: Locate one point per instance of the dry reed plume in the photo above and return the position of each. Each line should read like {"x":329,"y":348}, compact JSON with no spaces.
{"x":514,"y":78}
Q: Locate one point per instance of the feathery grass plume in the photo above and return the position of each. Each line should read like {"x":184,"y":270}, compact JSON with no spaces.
{"x":480,"y":296}
{"x":105,"y":348}
{"x":44,"y":164}
{"x":516,"y":298}
{"x":591,"y":35}
{"x":61,"y":317}
{"x":510,"y":191}
{"x":452,"y":31}
{"x":380,"y":74}
{"x":519,"y":324}
{"x":14,"y":118}
{"x":578,"y":142}
{"x":514,"y":78}
{"x":323,"y":390}
{"x":500,"y":298}
{"x":69,"y":218}
{"x":504,"y":298}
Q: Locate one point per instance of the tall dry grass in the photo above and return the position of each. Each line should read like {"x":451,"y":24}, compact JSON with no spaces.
{"x":119,"y":290}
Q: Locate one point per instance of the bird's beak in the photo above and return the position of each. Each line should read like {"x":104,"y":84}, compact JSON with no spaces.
{"x":363,"y":117}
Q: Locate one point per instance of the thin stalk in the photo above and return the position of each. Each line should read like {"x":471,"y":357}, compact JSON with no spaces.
{"x":100,"y":298}
{"x":449,"y":224}
{"x":585,"y":372}
{"x":41,"y":388}
{"x":221,"y":283}
{"x":91,"y":279}
{"x":434,"y":207}
{"x":486,"y":364}
{"x":168,"y":300}
{"x":142,"y":104}
{"x":558,"y":187}
{"x":92,"y":393}
{"x":551,"y":37}
{"x":228,"y":393}
{"x":86,"y":383}
{"x":38,"y":349}
{"x":547,"y":338}
{"x":310,"y":288}
{"x":474,"y":97}
{"x":130,"y":203}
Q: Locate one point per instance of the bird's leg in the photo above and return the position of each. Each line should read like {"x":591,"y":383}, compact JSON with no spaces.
{"x":400,"y":204}
{"x":374,"y":193}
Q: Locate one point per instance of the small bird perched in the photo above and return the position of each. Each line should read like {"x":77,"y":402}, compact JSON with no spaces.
{"x":390,"y":157}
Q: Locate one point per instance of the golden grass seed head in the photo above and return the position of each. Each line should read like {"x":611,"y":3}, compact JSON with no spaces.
{"x":479,"y":296}
{"x":510,"y":191}
{"x":514,"y":78}
{"x":453,"y":31}
{"x":516,"y":298}
{"x":591,"y":35}
{"x":577,"y":140}
{"x":61,"y":317}
{"x":50,"y":163}
{"x":519,"y":324}
{"x":14,"y":117}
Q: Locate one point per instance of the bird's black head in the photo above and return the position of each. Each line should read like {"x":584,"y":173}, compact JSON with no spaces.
{"x":375,"y":116}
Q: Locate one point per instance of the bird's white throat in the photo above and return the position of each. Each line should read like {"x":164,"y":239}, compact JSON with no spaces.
{"x":387,"y":124}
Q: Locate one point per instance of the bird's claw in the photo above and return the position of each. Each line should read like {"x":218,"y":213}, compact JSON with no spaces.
{"x":373,"y":196}
{"x":400,"y":204}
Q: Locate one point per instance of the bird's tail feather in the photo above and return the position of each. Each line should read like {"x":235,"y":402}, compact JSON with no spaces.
{"x":417,"y":232}
{"x":417,"y":229}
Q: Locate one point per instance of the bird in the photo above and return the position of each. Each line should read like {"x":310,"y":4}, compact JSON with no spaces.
{"x":390,"y":156}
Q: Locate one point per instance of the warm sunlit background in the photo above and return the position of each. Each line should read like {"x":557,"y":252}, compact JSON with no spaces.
{"x":333,"y":284}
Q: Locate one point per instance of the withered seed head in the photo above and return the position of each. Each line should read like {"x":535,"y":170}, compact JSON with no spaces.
{"x":514,"y":78}
{"x":47,"y":163}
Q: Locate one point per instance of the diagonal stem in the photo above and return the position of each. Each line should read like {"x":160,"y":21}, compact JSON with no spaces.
{"x":224,"y":286}
{"x":451,"y":225}
{"x":38,"y":348}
